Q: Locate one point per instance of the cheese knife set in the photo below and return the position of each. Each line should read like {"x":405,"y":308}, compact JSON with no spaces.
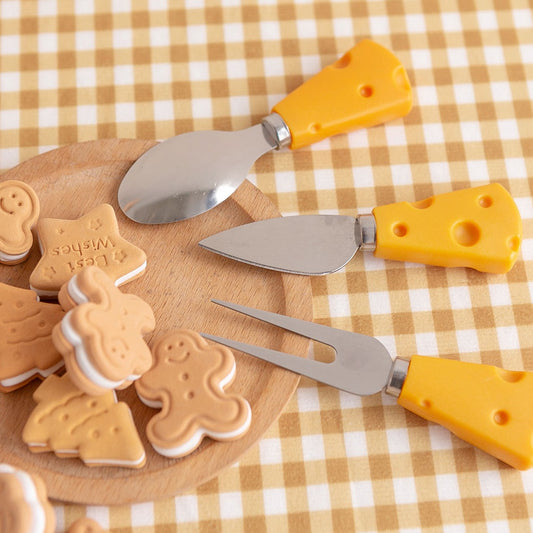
{"x":479,"y":228}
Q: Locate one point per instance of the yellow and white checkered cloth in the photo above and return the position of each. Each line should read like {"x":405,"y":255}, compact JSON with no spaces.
{"x":77,"y":71}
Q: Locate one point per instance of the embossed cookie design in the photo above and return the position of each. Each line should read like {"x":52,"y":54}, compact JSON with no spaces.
{"x":69,"y":245}
{"x":97,"y":429}
{"x":26,"y":347}
{"x":19,"y":210}
{"x":101,"y":338}
{"x":25,"y":506}
{"x":187,"y":382}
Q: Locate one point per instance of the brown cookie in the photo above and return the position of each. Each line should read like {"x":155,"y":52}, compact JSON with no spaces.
{"x":101,"y":339}
{"x":69,"y":245}
{"x":187,"y":382}
{"x":26,"y":347}
{"x":98,"y":429}
{"x":24,"y":504}
{"x":85,"y":525}
{"x":19,"y":210}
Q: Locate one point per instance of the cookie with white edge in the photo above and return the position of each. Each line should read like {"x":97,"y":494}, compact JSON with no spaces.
{"x":85,"y":525}
{"x":26,"y":348}
{"x":67,"y":246}
{"x":19,"y":210}
{"x":101,"y":336}
{"x":24,"y":504}
{"x":97,"y":429}
{"x":187,"y":382}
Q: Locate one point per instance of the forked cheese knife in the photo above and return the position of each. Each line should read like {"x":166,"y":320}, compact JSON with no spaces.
{"x":486,"y":406}
{"x":478,"y":227}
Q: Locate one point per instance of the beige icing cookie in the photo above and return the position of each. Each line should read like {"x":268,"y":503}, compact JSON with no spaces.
{"x":19,"y":210}
{"x":187,"y":382}
{"x":98,"y":429}
{"x":69,"y":245}
{"x":26,"y":347}
{"x":24,"y":506}
{"x":85,"y":525}
{"x":101,"y":338}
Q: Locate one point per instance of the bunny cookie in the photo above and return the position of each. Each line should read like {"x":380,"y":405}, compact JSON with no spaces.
{"x":19,"y":210}
{"x":101,"y":338}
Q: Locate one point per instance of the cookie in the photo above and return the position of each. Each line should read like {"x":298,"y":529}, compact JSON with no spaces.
{"x":26,"y":347}
{"x":19,"y":210}
{"x":25,"y":507}
{"x":85,"y":525}
{"x":187,"y":382}
{"x":101,"y":339}
{"x":69,"y":245}
{"x":97,"y":429}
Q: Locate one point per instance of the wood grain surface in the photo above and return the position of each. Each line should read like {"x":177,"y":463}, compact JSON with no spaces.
{"x":180,"y":280}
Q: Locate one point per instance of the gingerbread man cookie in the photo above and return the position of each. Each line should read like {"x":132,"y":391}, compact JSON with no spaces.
{"x":24,"y":504}
{"x":26,"y":347}
{"x":187,"y":382}
{"x":19,"y":210}
{"x":97,"y":429}
{"x":101,"y":338}
{"x":69,"y":245}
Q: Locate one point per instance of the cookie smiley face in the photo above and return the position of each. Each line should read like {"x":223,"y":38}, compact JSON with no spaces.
{"x":19,"y":210}
{"x":15,"y":201}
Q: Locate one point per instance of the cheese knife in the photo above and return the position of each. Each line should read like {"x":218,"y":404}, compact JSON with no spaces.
{"x":191,"y":173}
{"x":484,"y":405}
{"x":478,"y":227}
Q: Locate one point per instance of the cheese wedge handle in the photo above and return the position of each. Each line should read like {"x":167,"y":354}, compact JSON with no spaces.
{"x":478,"y":227}
{"x":486,"y":406}
{"x":367,"y":86}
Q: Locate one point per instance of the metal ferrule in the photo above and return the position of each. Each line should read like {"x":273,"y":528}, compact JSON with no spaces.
{"x":397,"y":376}
{"x":366,"y":227}
{"x":276,"y":131}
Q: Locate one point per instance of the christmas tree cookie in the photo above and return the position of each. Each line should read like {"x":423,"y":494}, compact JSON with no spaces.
{"x":97,"y":429}
{"x":26,"y":347}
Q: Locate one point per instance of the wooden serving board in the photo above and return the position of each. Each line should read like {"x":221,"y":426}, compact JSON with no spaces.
{"x":179,"y":282}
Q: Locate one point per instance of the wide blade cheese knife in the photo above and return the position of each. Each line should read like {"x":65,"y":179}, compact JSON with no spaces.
{"x":189,"y":174}
{"x":487,"y":406}
{"x":478,"y":227}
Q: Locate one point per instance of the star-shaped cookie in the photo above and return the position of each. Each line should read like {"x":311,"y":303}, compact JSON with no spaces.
{"x":69,"y":245}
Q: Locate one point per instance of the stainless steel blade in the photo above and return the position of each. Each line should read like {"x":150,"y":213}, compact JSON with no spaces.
{"x":189,"y":174}
{"x":309,"y":244}
{"x":362,"y":364}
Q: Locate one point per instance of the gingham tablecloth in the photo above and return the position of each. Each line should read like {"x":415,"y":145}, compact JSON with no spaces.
{"x":77,"y":71}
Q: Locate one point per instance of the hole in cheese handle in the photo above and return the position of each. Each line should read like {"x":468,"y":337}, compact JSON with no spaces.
{"x":478,"y":228}
{"x":486,"y":406}
{"x":367,"y":86}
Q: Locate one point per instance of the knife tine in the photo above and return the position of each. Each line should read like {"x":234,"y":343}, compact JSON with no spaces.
{"x":361,"y":365}
{"x":328,"y":373}
{"x":318,"y":332}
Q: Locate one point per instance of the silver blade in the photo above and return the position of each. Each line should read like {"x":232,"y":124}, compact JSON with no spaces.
{"x":362,"y":364}
{"x":310,"y":244}
{"x":189,"y":174}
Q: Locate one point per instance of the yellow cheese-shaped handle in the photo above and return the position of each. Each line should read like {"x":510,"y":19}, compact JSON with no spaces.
{"x":367,"y":86}
{"x":478,"y":228}
{"x":484,"y":405}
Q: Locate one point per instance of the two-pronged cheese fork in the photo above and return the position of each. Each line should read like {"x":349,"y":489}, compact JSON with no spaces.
{"x":486,"y":406}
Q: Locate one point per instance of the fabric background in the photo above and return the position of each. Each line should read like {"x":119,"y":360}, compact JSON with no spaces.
{"x":77,"y":71}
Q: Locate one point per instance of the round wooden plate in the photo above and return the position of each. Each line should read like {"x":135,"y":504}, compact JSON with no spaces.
{"x":180,"y":280}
